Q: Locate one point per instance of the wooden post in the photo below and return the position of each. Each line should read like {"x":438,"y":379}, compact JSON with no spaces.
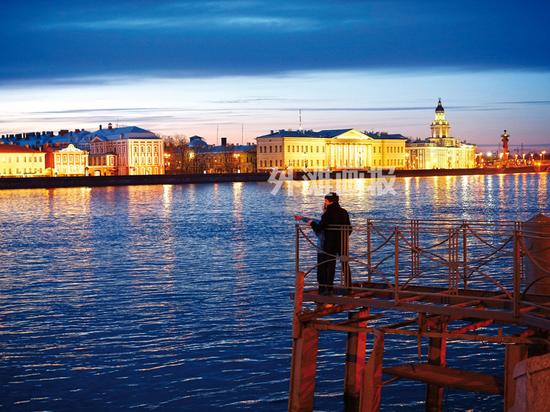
{"x":371,"y":391}
{"x":298,"y":300}
{"x":513,"y":355}
{"x":369,"y":249}
{"x":396,"y":268}
{"x":355,"y":364}
{"x":437,"y":355}
{"x":517,"y":270}
{"x":303,"y":370}
{"x":297,"y":247}
{"x":465,"y":255}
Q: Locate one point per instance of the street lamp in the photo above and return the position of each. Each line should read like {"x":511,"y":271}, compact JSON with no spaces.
{"x":542,"y":154}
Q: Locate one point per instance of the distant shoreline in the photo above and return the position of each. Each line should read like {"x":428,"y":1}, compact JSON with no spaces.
{"x":101,"y":181}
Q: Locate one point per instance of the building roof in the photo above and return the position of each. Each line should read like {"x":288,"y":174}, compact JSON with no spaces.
{"x":37,"y":139}
{"x":13,"y":148}
{"x":326,"y":134}
{"x":127,"y":132}
{"x":439,"y":107}
{"x":386,"y":136}
{"x":333,"y":133}
{"x":70,"y":149}
{"x":291,"y":133}
{"x":231,"y":148}
{"x":197,"y":142}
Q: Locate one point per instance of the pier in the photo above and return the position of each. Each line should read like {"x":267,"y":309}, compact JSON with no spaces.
{"x":436,"y":282}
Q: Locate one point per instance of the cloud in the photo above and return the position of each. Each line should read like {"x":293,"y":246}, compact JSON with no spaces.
{"x":534,"y":102}
{"x":192,"y":23}
{"x":94,"y":40}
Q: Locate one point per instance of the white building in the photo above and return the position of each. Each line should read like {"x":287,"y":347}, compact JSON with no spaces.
{"x":440,"y":151}
{"x":138,"y":151}
{"x":69,"y":161}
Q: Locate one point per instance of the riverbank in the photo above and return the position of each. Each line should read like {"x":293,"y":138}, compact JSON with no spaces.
{"x":98,"y":181}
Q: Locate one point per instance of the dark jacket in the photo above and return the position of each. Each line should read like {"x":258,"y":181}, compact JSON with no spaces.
{"x":331,"y":225}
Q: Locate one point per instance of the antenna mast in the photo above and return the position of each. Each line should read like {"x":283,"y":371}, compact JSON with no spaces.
{"x":300,"y":118}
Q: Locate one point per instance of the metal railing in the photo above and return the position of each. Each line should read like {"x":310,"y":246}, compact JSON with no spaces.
{"x":454,"y":256}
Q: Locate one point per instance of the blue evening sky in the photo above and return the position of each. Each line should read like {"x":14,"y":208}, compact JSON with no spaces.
{"x":247,"y":66}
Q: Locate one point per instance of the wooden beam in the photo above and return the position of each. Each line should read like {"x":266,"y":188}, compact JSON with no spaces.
{"x":448,"y":377}
{"x":497,"y":315}
{"x":326,"y":325}
{"x":472,"y":326}
{"x":355,"y":320}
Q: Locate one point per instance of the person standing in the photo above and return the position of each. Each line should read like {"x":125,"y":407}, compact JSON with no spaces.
{"x":335,"y":226}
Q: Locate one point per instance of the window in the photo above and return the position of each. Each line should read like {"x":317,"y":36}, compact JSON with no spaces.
{"x":270,"y":149}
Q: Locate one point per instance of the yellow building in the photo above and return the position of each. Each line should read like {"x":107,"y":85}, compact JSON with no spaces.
{"x":69,"y":161}
{"x":138,"y":151}
{"x":440,"y":151}
{"x":329,"y":150}
{"x":18,"y":161}
{"x":102,"y":165}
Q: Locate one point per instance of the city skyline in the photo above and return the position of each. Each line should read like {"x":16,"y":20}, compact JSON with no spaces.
{"x":239,"y":69}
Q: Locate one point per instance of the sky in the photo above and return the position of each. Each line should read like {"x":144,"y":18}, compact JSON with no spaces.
{"x":242,"y":68}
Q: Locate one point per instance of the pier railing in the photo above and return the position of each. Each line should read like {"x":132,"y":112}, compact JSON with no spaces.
{"x":505,"y":264}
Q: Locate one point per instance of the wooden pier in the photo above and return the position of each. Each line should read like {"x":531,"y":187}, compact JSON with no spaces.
{"x":447,"y":281}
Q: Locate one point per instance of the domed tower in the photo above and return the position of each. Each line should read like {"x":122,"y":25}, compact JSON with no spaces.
{"x":440,"y":126}
{"x":505,"y":138}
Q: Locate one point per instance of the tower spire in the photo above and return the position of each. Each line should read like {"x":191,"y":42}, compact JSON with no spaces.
{"x":440,"y":126}
{"x":439,"y":107}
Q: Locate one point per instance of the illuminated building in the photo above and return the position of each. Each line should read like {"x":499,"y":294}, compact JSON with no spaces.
{"x":18,"y":161}
{"x":102,"y":165}
{"x":329,"y":150}
{"x":226,"y":158}
{"x":440,"y":151}
{"x":69,"y":161}
{"x":138,"y":151}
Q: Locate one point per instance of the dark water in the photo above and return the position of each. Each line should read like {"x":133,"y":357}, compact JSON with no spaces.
{"x":177,"y":297}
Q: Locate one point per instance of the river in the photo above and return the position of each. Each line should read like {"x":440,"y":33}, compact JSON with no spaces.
{"x":178,"y":297}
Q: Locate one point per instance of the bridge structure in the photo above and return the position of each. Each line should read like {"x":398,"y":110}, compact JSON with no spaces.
{"x":436,"y":282}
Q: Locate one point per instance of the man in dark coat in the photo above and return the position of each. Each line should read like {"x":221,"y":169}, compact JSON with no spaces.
{"x":336,"y":227}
